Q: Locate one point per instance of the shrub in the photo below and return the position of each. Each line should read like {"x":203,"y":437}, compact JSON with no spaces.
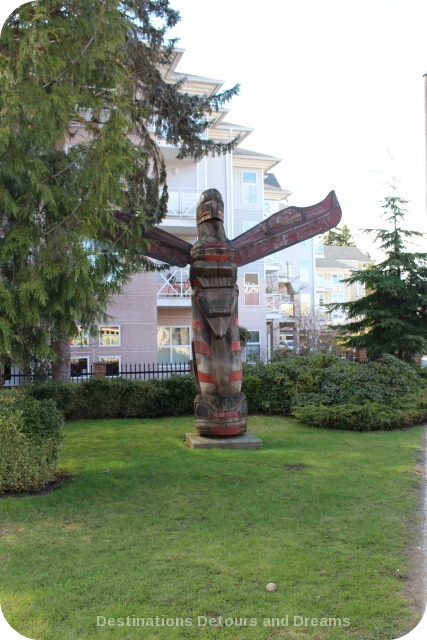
{"x":30,"y":436}
{"x":398,"y":413}
{"x":118,"y":398}
{"x":325,"y":379}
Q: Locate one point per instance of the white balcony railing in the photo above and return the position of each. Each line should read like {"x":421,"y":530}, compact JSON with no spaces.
{"x":174,"y":284}
{"x":279,"y":303}
{"x":182,"y":203}
{"x":273,"y":302}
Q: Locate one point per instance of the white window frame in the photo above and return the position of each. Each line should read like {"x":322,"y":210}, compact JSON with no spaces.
{"x":113,"y":355}
{"x":254,"y":344}
{"x":110,"y":346}
{"x":336,"y":295}
{"x":337,"y":280}
{"x":170,"y":346}
{"x":81,"y":346}
{"x":270,"y":207}
{"x":76,"y":356}
{"x":303,"y":269}
{"x":255,"y":184}
{"x":251,"y":273}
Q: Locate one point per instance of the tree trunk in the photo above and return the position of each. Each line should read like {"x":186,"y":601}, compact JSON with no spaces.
{"x":61,"y":365}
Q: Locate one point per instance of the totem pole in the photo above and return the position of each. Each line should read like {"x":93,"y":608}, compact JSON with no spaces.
{"x":220,"y":406}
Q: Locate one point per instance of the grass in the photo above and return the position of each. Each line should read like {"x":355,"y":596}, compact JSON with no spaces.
{"x":149,"y":528}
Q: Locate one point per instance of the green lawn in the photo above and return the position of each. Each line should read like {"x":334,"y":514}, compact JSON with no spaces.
{"x":150,"y":528}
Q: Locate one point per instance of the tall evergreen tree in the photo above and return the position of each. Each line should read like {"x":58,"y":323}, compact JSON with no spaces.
{"x":89,"y":74}
{"x":341,"y":236}
{"x":392,"y":316}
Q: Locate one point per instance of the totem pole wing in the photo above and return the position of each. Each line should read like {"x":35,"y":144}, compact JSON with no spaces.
{"x":167,"y":248}
{"x":162,"y":245}
{"x":285,"y":228}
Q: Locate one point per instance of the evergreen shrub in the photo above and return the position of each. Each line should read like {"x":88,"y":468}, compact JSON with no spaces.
{"x":119,"y":398}
{"x":30,"y":438}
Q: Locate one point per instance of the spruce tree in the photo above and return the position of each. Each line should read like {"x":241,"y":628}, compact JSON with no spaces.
{"x":392,"y":315}
{"x":90,"y":74}
{"x":340,"y":236}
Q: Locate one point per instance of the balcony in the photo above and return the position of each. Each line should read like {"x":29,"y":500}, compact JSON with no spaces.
{"x":322,"y":285}
{"x":279,"y":306}
{"x":182,"y":203}
{"x":174,"y":288}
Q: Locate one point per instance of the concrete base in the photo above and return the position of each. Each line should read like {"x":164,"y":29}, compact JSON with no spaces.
{"x":246,"y":441}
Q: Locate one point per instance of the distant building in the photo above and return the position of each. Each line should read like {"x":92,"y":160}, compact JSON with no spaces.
{"x":333,"y":265}
{"x":151,"y":319}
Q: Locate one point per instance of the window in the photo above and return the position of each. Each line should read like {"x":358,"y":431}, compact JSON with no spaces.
{"x":286,"y":340}
{"x":252,"y":289}
{"x":337,"y":278}
{"x":249,"y":187}
{"x":270,"y":207}
{"x":113,"y":365}
{"x":320,"y":280}
{"x":79,"y":366}
{"x":319,"y":248}
{"x":273,"y":258}
{"x":305,"y":301}
{"x":109,"y":336}
{"x":304,"y":270}
{"x":337,"y":297}
{"x":248,"y":224}
{"x":321,"y":299}
{"x":173,"y":344}
{"x":81,"y":339}
{"x":253,"y":346}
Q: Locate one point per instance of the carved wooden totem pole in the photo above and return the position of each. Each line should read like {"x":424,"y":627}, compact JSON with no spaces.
{"x":220,"y":406}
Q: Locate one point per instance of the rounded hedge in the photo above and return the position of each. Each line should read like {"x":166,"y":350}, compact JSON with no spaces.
{"x":30,"y":437}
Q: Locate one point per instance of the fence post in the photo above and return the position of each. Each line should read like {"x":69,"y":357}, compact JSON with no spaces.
{"x":99,"y":369}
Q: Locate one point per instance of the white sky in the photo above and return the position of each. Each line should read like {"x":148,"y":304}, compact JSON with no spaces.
{"x":332,"y":87}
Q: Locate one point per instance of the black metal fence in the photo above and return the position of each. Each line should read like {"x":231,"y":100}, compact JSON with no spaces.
{"x":144,"y":371}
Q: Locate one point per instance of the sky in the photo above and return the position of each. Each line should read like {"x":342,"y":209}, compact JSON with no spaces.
{"x":333,"y":88}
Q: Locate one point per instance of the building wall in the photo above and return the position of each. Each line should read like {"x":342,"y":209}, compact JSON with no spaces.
{"x":135,"y":312}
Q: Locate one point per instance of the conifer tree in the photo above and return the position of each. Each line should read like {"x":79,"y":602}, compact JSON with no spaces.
{"x":83,"y":95}
{"x":340,"y":236}
{"x":392,"y":315}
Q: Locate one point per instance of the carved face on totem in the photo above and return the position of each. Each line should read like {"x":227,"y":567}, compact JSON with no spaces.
{"x":210,"y":206}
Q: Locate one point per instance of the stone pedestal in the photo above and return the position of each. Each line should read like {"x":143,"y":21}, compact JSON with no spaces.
{"x":245,"y":441}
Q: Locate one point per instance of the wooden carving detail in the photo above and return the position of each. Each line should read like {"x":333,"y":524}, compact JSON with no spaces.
{"x":220,"y":406}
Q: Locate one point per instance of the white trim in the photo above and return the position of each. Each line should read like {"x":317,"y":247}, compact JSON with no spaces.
{"x":81,"y":346}
{"x":80,"y":356}
{"x":170,"y":345}
{"x":256,"y":184}
{"x":254,"y":344}
{"x":104,"y":358}
{"x":109,"y":346}
{"x":251,"y":273}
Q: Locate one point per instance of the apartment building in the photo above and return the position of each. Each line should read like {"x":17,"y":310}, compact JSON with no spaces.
{"x":332,"y":265}
{"x":150,"y":321}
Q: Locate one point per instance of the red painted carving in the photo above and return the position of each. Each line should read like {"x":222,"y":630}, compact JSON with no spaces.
{"x":220,"y":406}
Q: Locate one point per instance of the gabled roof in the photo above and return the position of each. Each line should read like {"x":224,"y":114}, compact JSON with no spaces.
{"x":341,"y":257}
{"x":261,"y":160}
{"x":272,"y":187}
{"x":270,"y":180}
